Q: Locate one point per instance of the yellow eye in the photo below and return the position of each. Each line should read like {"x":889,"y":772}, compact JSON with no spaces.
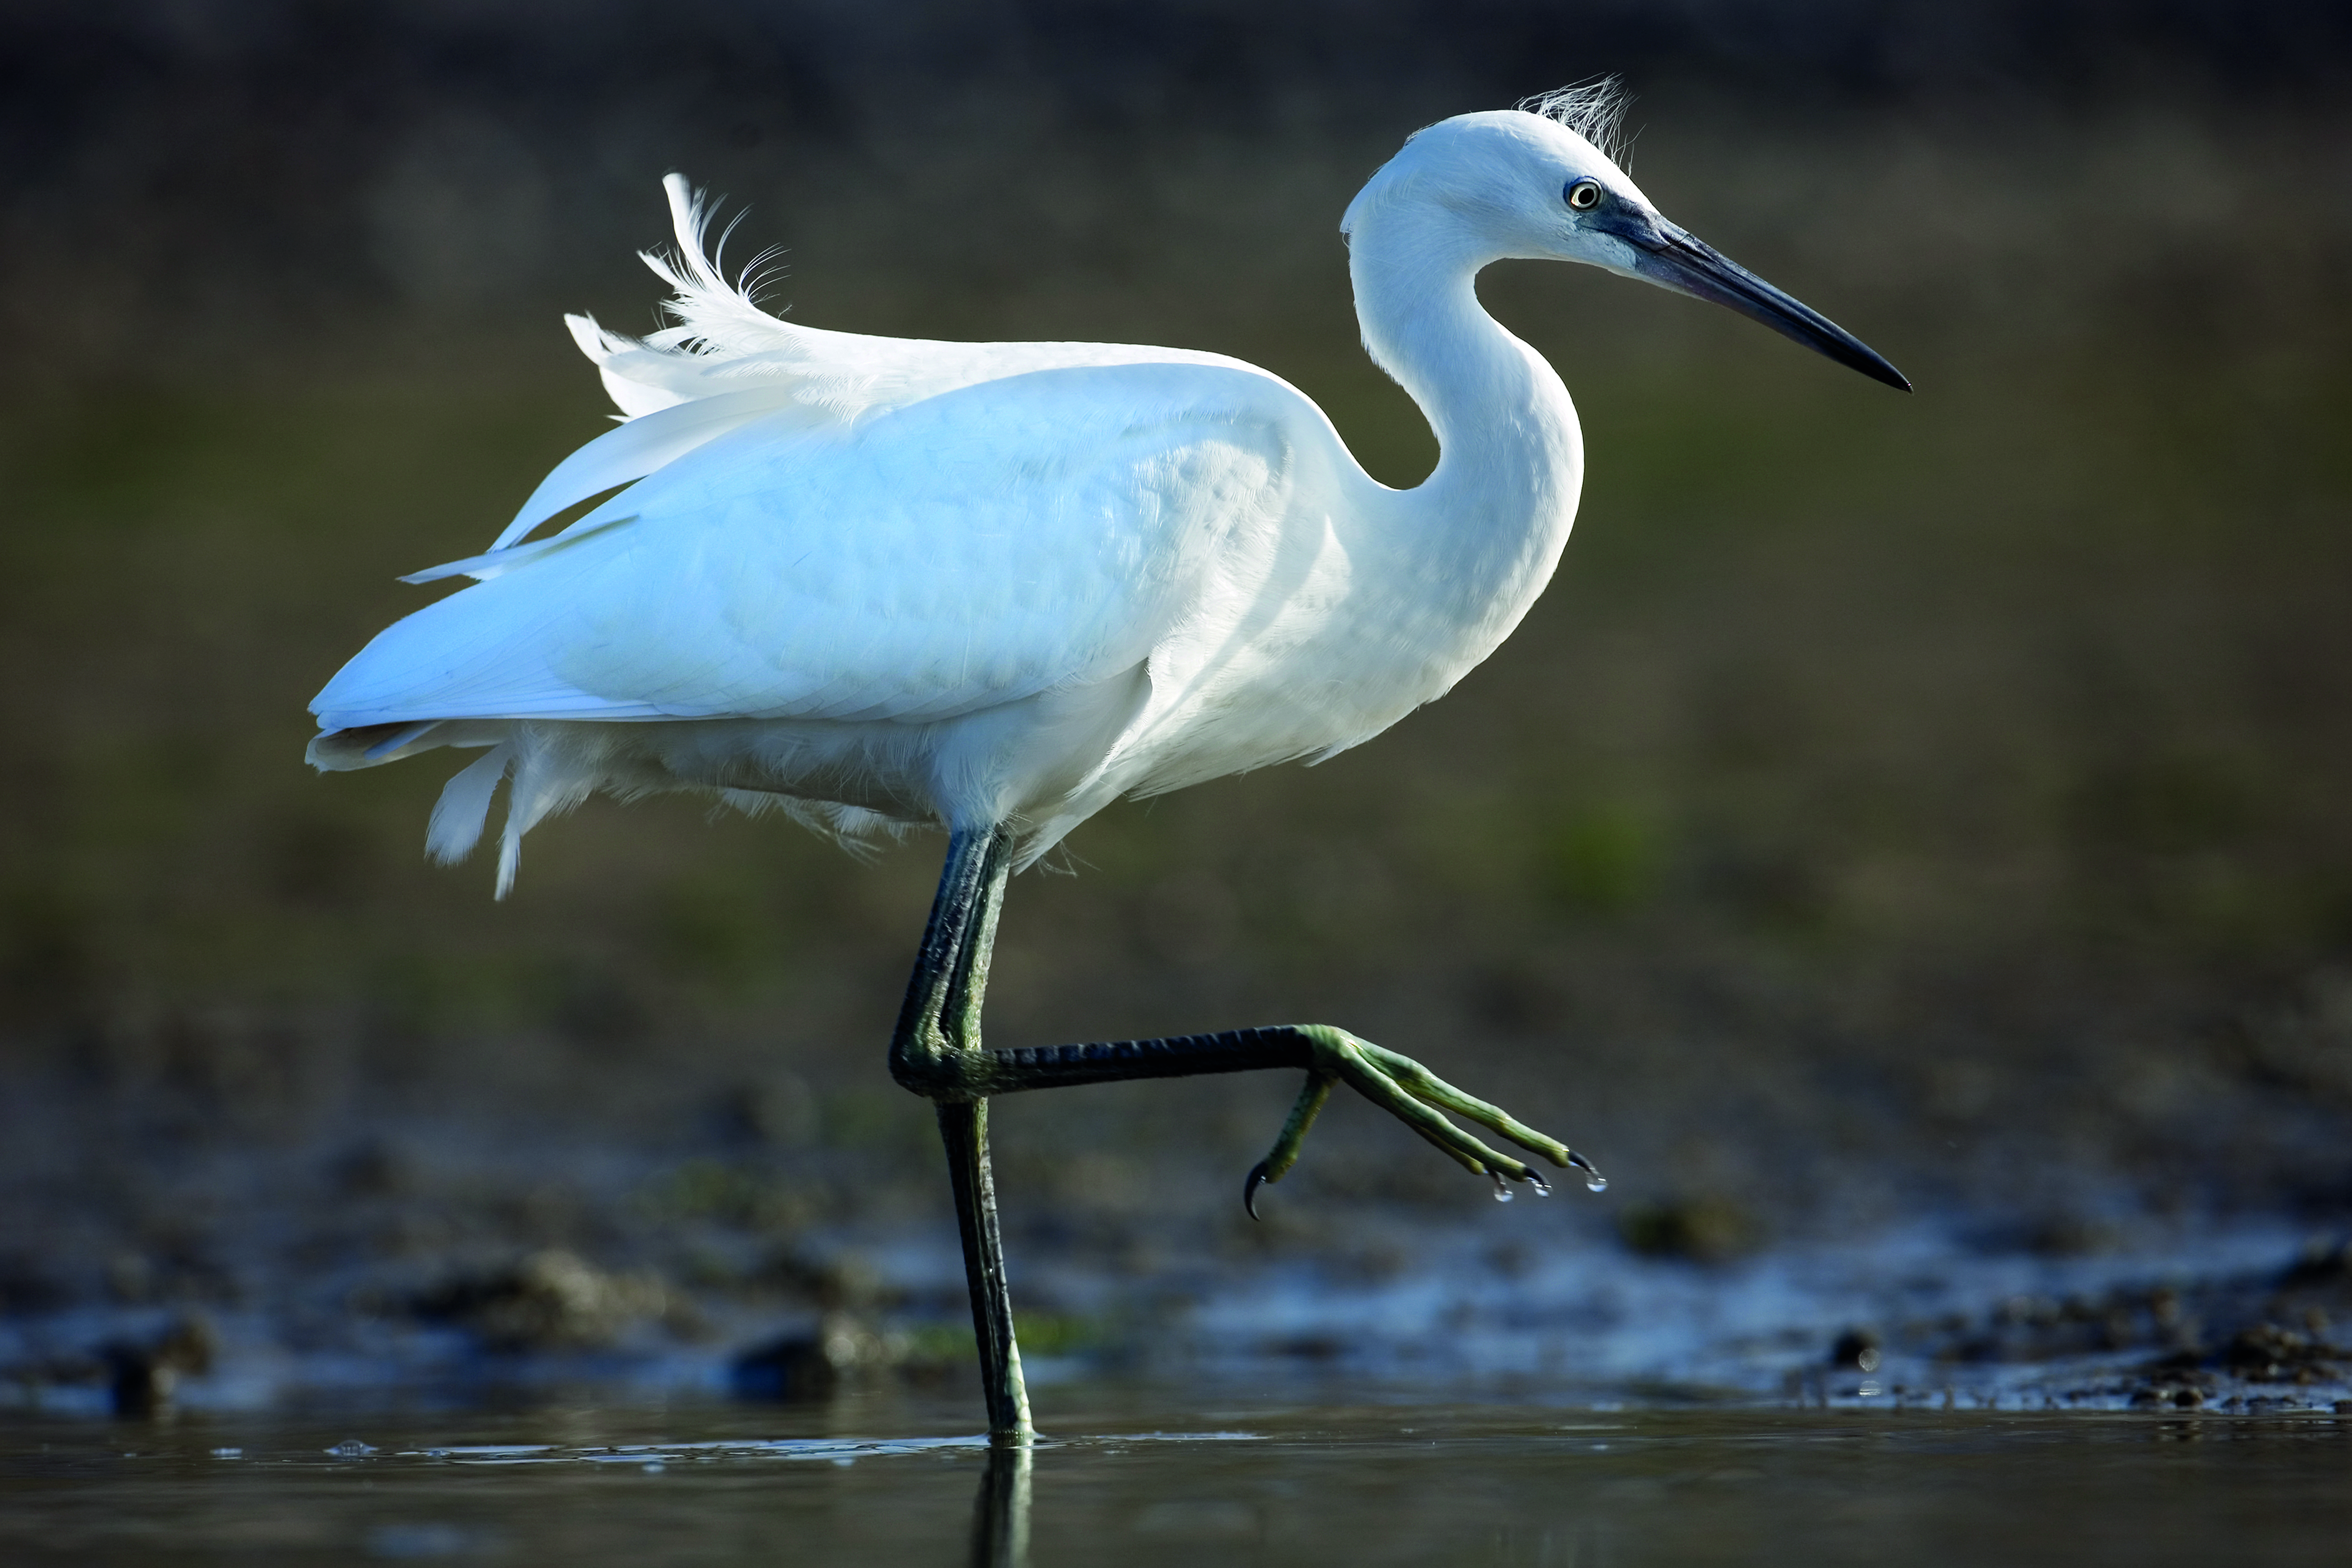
{"x":1583,"y":195}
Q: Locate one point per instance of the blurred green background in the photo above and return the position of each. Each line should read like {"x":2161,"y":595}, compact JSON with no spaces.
{"x":1897,"y":806}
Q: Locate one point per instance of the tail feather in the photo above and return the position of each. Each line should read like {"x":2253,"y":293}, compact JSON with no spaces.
{"x":465,"y":806}
{"x":349,"y":747}
{"x":550,"y":775}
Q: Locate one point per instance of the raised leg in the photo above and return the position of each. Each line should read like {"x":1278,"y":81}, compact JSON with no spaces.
{"x":1395,"y":1082}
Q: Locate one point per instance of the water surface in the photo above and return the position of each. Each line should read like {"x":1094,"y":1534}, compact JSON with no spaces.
{"x":1142,"y":1476}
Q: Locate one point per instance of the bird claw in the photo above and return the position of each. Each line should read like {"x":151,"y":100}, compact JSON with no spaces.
{"x":1310,"y":1102}
{"x":1418,"y":1098}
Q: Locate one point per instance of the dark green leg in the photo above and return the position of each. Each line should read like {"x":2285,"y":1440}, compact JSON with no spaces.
{"x":938,"y":1025}
{"x":1396,"y":1083}
{"x":936,"y":1053}
{"x":963,"y":1126}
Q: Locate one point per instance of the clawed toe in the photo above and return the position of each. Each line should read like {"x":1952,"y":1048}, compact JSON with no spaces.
{"x":1255,"y":1179}
{"x":1419,"y":1099}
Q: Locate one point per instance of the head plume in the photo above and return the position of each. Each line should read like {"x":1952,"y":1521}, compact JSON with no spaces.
{"x":1591,"y":110}
{"x":1594,"y":110}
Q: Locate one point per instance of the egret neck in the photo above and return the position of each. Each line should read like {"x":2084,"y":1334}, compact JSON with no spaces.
{"x":1478,"y":538}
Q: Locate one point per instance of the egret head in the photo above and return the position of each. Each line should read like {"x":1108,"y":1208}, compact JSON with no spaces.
{"x":1541,"y":182}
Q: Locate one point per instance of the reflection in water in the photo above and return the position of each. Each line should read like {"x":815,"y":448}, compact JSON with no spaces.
{"x":1143,"y":1479}
{"x":1000,"y":1515}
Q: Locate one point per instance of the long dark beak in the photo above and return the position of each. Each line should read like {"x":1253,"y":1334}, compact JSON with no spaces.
{"x":1672,"y":258}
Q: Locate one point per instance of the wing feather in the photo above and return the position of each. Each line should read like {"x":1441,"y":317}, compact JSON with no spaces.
{"x":978,"y":546}
{"x":638,"y":448}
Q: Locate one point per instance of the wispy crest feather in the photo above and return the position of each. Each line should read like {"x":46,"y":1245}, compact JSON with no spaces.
{"x":1594,"y":110}
{"x":711,"y":310}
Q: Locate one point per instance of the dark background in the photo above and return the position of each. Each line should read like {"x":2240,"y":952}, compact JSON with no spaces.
{"x":1898,"y":809}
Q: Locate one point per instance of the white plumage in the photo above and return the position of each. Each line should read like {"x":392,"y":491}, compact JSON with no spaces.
{"x":882,"y":582}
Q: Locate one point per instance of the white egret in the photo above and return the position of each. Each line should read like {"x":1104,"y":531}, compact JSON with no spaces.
{"x":994,"y":587}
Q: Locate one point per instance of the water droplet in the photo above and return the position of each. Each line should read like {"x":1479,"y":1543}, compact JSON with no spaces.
{"x":1543,"y":1188}
{"x":1596,"y":1182}
{"x":1502,"y":1188}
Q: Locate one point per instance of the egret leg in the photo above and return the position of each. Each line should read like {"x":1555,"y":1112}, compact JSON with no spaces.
{"x":963,"y":1127}
{"x":938,"y":1026}
{"x":1393,"y":1081}
{"x":937,"y":1052}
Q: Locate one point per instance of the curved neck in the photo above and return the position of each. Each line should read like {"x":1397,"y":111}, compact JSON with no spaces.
{"x":1510,"y":455}
{"x":1506,"y":431}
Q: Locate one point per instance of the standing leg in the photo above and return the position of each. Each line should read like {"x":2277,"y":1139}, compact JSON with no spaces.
{"x":939,"y":1027}
{"x":963,"y":1126}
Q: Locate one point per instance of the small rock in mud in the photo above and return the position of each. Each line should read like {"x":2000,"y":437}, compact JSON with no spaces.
{"x":2169,"y":1396}
{"x":2322,"y":1265}
{"x":2269,"y":1353}
{"x":2263,"y":1354}
{"x":2071,"y":1235}
{"x":551,"y":1299}
{"x":1856,"y":1350}
{"x":813,"y":1365}
{"x":844,"y":1281}
{"x":776,"y":1110}
{"x":375,"y":1168}
{"x":1699,"y":1229}
{"x":791,"y":1369}
{"x":142,"y":1375}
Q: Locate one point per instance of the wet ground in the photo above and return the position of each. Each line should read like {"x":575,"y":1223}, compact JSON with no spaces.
{"x":1532,"y":1390}
{"x":1564,"y":1298}
{"x":1152,"y":1475}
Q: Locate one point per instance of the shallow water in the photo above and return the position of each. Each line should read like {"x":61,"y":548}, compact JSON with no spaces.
{"x":1144,"y":1477}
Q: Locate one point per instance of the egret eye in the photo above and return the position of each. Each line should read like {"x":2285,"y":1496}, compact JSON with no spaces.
{"x":1583,"y":195}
